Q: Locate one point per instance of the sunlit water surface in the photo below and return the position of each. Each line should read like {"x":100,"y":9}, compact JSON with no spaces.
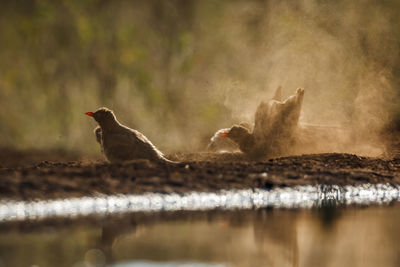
{"x":301,"y":226}
{"x":288,"y":197}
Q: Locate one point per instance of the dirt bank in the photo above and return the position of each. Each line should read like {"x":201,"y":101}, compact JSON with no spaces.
{"x":200,"y":172}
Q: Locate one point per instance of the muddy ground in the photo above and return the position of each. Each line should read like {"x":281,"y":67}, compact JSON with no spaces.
{"x":31,"y":175}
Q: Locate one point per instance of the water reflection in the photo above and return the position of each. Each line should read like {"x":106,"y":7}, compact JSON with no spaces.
{"x":279,"y":237}
{"x":262,"y":237}
{"x":167,"y":264}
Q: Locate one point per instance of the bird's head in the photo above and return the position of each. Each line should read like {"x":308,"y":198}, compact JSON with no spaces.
{"x":104,"y":116}
{"x":237,"y":133}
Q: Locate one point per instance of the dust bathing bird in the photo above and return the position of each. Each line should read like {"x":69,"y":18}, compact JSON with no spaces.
{"x":121,"y":143}
{"x":239,"y":137}
{"x":274,"y":130}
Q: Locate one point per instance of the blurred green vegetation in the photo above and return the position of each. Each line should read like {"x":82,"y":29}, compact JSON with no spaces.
{"x":178,"y":70}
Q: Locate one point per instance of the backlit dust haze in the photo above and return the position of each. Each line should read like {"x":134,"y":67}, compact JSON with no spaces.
{"x":179,"y":70}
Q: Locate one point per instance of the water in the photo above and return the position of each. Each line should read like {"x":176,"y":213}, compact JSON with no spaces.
{"x":327,"y":236}
{"x":301,"y":226}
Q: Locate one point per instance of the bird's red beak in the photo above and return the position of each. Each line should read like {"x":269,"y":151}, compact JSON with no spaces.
{"x":224,"y":134}
{"x":89,"y":113}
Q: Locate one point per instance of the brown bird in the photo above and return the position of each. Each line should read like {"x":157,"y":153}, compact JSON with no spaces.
{"x":241,"y":137}
{"x":275,"y":124}
{"x":121,"y":143}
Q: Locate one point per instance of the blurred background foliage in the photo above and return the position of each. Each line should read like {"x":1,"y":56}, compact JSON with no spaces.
{"x":178,"y":70}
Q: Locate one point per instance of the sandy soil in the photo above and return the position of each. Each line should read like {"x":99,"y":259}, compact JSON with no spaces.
{"x":199,"y":172}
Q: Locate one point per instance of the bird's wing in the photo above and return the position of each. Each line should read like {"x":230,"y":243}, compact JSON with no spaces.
{"x":278,"y":94}
{"x":292,"y":108}
{"x":142,"y":142}
{"x":266,"y":117}
{"x":98,"y":133}
{"x":275,"y":122}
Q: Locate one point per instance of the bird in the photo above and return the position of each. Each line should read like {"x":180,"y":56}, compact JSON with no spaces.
{"x":275,"y":125}
{"x":120,"y":143}
{"x":239,"y":133}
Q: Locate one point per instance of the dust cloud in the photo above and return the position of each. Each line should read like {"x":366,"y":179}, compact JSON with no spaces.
{"x":344,"y":55}
{"x":179,"y":70}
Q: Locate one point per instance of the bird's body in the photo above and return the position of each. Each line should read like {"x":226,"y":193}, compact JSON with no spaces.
{"x":121,"y":143}
{"x":124,"y":143}
{"x":275,"y":125}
